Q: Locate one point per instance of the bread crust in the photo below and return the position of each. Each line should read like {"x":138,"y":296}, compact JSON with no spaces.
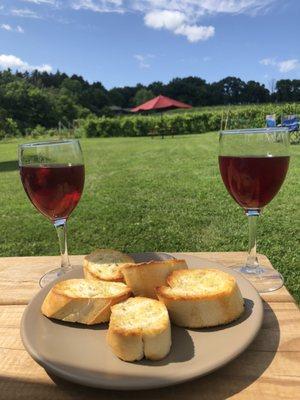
{"x":116,"y":276}
{"x":143,"y":278}
{"x":196,"y":308}
{"x":63,"y":305}
{"x":133,"y":339}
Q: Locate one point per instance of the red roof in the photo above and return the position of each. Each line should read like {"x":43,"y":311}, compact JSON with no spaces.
{"x":160,"y":103}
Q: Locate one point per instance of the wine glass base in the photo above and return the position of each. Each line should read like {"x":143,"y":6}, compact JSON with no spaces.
{"x":54,"y":274}
{"x":264,"y":279}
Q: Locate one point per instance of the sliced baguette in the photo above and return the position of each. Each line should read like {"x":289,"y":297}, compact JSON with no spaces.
{"x":139,"y":327}
{"x":87,"y":302}
{"x":143,"y":278}
{"x":105,"y":264}
{"x":201,"y":298}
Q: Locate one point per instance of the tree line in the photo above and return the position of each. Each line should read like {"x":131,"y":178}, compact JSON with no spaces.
{"x":30,"y":99}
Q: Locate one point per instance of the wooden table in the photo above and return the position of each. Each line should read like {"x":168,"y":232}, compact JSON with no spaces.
{"x":268,"y":369}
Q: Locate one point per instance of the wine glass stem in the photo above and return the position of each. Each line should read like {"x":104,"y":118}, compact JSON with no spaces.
{"x":252,"y":266}
{"x":61,"y":230}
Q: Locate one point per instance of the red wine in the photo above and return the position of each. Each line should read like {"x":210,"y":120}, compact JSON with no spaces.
{"x":253,"y":181}
{"x":54,"y":190}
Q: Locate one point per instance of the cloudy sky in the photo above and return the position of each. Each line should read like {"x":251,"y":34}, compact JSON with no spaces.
{"x":123,"y":42}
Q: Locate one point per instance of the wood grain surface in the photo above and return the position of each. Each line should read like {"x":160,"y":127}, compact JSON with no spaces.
{"x":268,"y":369}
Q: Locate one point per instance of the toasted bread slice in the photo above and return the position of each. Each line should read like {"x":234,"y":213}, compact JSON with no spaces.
{"x":201,"y":298}
{"x":87,"y":302}
{"x":139,"y":327}
{"x":105,"y":264}
{"x":143,"y":278}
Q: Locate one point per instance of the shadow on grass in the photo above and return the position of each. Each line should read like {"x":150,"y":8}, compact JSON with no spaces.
{"x":222,"y":384}
{"x":8,"y":166}
{"x":188,"y":136}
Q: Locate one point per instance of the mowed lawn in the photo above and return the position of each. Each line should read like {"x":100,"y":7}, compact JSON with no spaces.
{"x":145,"y":194}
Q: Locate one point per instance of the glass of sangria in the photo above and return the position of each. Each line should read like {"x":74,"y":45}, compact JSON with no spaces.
{"x":52,"y":175}
{"x":253,"y":165}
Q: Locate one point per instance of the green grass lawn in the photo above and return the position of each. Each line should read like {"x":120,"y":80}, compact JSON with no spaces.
{"x":143,"y":194}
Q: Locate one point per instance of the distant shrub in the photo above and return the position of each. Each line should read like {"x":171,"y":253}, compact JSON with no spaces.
{"x":9,"y":128}
{"x":173,"y":123}
{"x":39,"y":130}
{"x":184,"y":122}
{"x":128,"y":127}
{"x":91,"y":127}
{"x":106,"y":112}
{"x":52,"y":132}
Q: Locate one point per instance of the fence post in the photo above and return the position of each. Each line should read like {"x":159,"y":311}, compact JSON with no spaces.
{"x":59,"y":128}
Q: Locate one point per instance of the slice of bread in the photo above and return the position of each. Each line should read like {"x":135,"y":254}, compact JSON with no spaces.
{"x":139,"y":327}
{"x":87,"y":302}
{"x":201,"y":298}
{"x":105,"y":264}
{"x":143,"y":278}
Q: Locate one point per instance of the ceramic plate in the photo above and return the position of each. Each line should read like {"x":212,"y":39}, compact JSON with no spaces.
{"x":80,"y":354}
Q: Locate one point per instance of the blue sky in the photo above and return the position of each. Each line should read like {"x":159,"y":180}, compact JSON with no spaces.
{"x":123,"y":42}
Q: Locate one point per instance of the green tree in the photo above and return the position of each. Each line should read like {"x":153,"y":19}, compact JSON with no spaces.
{"x":232,"y":90}
{"x":142,"y":95}
{"x":66,"y":109}
{"x":116,"y":98}
{"x":72,"y":87}
{"x":157,"y":88}
{"x":191,"y":90}
{"x":254,"y":92}
{"x":288,"y":90}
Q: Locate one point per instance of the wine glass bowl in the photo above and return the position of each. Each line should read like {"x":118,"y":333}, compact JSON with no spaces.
{"x":253,"y":165}
{"x":52,"y":175}
{"x":54,"y":190}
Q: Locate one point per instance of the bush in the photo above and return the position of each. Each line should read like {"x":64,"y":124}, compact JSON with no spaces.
{"x":196,"y":121}
{"x":173,"y":123}
{"x":39,"y":130}
{"x":52,"y":132}
{"x":9,"y":128}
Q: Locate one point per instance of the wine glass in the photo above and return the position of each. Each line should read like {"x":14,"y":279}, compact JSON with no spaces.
{"x":253,"y":165}
{"x":52,"y":174}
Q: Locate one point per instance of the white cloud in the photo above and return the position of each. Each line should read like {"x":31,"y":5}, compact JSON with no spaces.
{"x":178,"y":16}
{"x":143,"y":60}
{"x":6,"y":27}
{"x":194,"y":33}
{"x":170,"y":20}
{"x":268,"y":61}
{"x":51,"y":2}
{"x":15,"y":63}
{"x":98,"y":5}
{"x":176,"y":21}
{"x":19,"y":29}
{"x":181,"y":17}
{"x":283,"y":66}
{"x":24,"y":13}
{"x":191,"y":7}
{"x":231,"y":6}
{"x":198,"y":8}
{"x":9,"y":28}
{"x":288,"y":65}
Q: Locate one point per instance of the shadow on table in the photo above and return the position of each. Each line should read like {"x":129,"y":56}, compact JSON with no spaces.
{"x":7,"y":166}
{"x":220,"y":385}
{"x":182,"y":341}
